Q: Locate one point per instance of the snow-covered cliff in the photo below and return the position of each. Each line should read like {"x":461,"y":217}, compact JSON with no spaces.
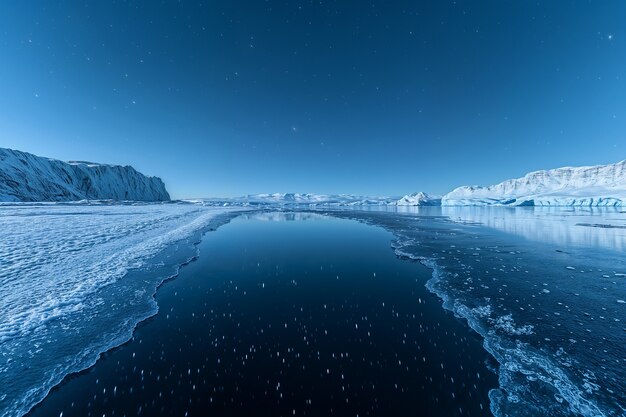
{"x":418,"y":199}
{"x":595,"y":186}
{"x":26,"y":177}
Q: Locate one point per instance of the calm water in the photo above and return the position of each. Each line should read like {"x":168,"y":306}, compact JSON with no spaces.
{"x":290,"y":314}
{"x":314,"y":313}
{"x":545,"y":288}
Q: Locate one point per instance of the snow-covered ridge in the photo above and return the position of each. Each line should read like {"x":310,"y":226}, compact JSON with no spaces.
{"x":306,"y":199}
{"x":296,"y":199}
{"x":419,"y":199}
{"x":27,"y":177}
{"x":588,"y":186}
{"x":600,"y":185}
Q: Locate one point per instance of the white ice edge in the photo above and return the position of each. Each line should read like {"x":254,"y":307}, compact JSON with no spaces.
{"x":510,"y":360}
{"x":132,"y":257}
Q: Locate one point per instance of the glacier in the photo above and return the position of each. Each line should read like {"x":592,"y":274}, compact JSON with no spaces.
{"x":587,"y":186}
{"x":28,"y":178}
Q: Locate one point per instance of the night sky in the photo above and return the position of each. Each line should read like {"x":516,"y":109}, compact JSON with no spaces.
{"x":225,"y":98}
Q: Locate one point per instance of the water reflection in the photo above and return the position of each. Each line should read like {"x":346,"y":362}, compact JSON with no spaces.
{"x":282,"y":216}
{"x":598,"y":228}
{"x":582,"y":227}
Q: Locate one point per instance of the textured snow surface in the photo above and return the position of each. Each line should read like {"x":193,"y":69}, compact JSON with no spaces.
{"x":419,"y":199}
{"x":26,"y":177}
{"x":600,"y":185}
{"x":65,"y":290}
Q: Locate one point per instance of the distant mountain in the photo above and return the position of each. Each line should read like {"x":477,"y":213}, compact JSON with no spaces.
{"x":26,"y":177}
{"x":590,"y":186}
{"x":295,"y":199}
{"x":418,"y":199}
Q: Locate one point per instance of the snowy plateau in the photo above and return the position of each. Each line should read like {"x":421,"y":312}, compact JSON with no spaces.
{"x":588,"y":186}
{"x":28,"y":178}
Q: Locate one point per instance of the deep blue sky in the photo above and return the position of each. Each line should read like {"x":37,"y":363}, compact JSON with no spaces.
{"x":224,"y":98}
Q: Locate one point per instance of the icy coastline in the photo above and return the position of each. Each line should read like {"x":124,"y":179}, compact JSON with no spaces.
{"x":546,"y":322}
{"x":78,"y":279}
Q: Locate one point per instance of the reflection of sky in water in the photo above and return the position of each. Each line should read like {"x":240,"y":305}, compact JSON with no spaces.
{"x":581,"y":227}
{"x":569,"y":227}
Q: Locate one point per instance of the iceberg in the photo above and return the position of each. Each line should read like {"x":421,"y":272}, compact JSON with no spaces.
{"x":419,"y":199}
{"x":25,"y":177}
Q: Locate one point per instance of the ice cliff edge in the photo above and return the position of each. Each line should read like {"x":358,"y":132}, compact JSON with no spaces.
{"x":27,"y":177}
{"x":591,"y":186}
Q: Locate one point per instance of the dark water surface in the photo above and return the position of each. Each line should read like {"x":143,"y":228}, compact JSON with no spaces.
{"x":290,"y":314}
{"x":544,"y":287}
